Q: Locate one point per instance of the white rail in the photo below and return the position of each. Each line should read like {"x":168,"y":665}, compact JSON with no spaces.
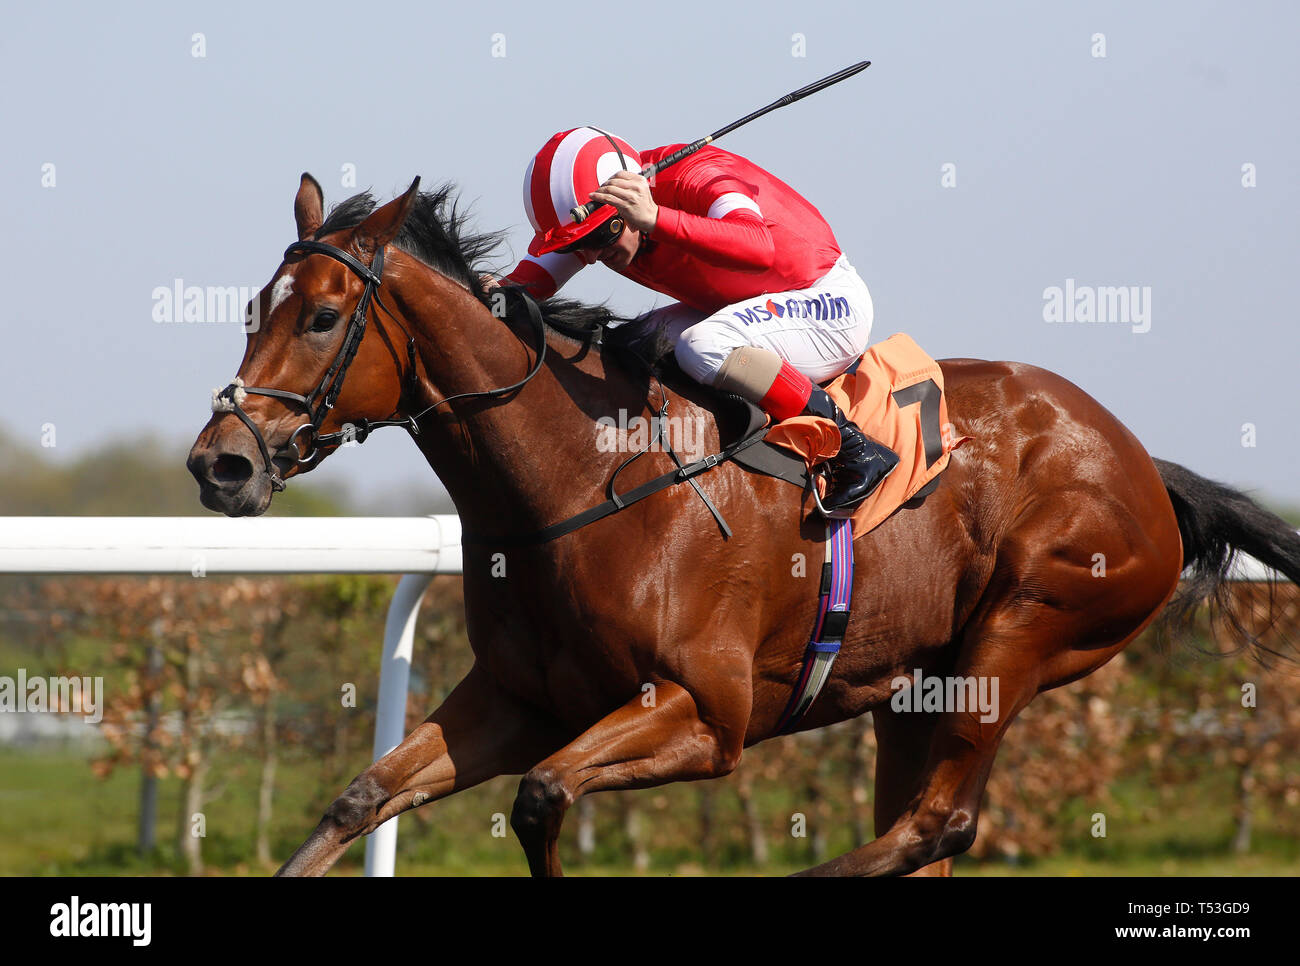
{"x":418,"y":547}
{"x":217,"y":545}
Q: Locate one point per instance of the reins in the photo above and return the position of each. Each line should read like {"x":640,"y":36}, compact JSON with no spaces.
{"x":327,"y":391}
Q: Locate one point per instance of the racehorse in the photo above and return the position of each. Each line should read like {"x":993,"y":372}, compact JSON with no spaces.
{"x":993,"y":575}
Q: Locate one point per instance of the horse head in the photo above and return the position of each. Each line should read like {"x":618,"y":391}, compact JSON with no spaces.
{"x":321,"y":317}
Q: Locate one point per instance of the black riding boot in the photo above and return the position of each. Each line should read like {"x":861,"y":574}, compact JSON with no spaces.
{"x":861,"y":463}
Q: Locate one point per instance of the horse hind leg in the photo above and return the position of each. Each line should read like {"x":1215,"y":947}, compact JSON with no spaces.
{"x":941,"y":818}
{"x":1046,"y":620}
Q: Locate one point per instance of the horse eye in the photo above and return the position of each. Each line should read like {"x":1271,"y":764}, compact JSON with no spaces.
{"x":324,"y":320}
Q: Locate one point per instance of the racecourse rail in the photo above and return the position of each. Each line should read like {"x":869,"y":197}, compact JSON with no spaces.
{"x":419,"y":548}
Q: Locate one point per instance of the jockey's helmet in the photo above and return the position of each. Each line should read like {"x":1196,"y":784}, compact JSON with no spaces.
{"x":562,"y":175}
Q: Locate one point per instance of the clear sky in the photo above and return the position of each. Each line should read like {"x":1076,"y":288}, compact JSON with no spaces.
{"x":1117,"y":170}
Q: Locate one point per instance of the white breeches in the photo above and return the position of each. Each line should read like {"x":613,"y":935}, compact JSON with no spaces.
{"x":820,"y":330}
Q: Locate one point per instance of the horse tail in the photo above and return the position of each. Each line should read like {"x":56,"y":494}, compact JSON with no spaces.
{"x":1216,"y":522}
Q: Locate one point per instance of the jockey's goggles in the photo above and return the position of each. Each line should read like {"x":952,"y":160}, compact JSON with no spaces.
{"x":602,"y":236}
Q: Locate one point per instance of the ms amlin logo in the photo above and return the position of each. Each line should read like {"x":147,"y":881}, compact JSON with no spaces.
{"x":822,"y":306}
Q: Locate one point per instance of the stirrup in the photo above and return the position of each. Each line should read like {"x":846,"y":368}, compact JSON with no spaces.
{"x":843,"y":513}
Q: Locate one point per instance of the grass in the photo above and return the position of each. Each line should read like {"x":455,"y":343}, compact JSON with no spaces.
{"x":57,"y":818}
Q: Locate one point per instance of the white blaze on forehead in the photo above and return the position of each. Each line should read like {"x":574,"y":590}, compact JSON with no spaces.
{"x":282,"y":290}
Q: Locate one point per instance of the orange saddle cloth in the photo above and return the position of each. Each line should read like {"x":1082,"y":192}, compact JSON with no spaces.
{"x":895,"y":395}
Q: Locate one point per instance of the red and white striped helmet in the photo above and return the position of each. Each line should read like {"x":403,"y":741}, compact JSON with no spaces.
{"x":564,"y":173}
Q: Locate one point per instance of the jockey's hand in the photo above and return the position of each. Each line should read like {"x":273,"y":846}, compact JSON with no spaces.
{"x":629,"y":193}
{"x":489,"y":282}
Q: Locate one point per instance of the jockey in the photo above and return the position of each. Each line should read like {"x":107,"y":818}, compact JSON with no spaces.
{"x":768,"y":306}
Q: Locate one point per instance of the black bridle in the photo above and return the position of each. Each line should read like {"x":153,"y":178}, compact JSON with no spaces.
{"x":328,"y":389}
{"x":321,"y":400}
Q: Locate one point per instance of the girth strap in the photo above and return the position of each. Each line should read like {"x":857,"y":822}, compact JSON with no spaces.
{"x":832,"y":621}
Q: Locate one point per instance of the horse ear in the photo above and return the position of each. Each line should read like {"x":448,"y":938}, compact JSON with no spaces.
{"x":309,"y":206}
{"x":384,"y":223}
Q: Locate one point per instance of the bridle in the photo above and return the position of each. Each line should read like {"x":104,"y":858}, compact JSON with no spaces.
{"x":321,"y":400}
{"x":327,"y":391}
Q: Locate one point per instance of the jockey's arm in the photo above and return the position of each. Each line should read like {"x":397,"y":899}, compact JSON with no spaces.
{"x":716,"y":219}
{"x":738,"y":240}
{"x":544,"y":275}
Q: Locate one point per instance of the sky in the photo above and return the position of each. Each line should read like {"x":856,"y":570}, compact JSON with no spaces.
{"x":992,"y":154}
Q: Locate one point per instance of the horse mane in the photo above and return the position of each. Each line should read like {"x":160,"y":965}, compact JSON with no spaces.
{"x":436,"y":232}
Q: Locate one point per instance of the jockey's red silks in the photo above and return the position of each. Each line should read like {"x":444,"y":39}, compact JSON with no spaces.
{"x":727,"y":229}
{"x":788,"y":395}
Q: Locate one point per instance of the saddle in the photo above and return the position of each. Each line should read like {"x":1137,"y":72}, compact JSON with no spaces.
{"x":894,"y":393}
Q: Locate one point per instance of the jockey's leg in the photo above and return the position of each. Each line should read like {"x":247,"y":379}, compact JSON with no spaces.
{"x":770,"y":349}
{"x":861,"y":463}
{"x":656,"y":333}
{"x":782,"y":391}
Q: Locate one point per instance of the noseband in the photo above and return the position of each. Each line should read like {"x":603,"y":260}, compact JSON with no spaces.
{"x":320,"y":400}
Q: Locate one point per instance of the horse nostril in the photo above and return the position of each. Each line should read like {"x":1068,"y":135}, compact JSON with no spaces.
{"x":230,"y":468}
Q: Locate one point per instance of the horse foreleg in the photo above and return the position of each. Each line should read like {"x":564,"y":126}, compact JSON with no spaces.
{"x":634,"y":747}
{"x":479,"y":732}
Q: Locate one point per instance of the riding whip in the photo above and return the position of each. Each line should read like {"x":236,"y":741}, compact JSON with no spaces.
{"x":583,"y":212}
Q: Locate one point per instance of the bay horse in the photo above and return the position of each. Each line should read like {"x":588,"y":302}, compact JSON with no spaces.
{"x":994,"y":575}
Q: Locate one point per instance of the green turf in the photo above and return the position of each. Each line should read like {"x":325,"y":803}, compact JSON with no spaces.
{"x":57,"y":818}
